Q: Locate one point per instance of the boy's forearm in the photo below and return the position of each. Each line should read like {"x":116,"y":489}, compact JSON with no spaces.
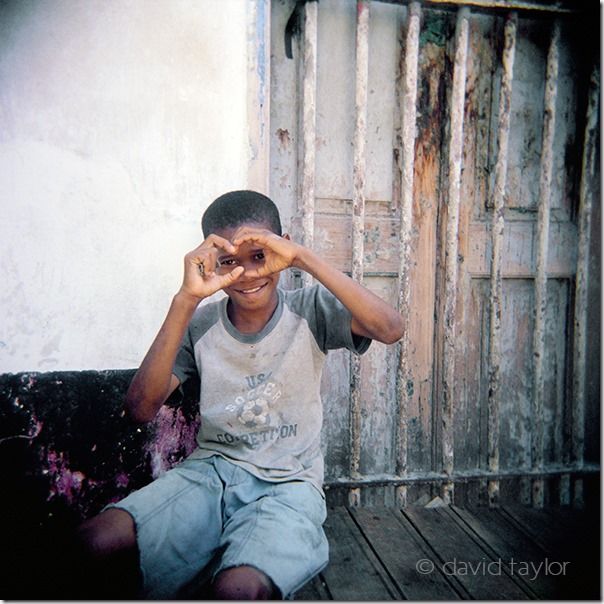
{"x":372,"y":317}
{"x":152,"y":382}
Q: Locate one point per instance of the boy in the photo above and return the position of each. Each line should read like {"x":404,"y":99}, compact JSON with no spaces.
{"x":249,"y":498}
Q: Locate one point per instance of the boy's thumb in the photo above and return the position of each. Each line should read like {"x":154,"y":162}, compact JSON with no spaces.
{"x":234,"y":274}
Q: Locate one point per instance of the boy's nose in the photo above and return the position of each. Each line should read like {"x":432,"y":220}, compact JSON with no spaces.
{"x":248,"y":265}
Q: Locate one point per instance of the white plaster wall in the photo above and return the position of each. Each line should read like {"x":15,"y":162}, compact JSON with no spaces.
{"x":120,"y":120}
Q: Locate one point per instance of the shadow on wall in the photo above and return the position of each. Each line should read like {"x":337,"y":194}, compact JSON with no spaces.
{"x":66,"y":450}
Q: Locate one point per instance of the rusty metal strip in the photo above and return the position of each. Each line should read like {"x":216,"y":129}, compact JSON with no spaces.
{"x":451,"y":255}
{"x":461,"y":476}
{"x":507,"y":5}
{"x":309,"y":126}
{"x":589,"y":175}
{"x":497,"y":230}
{"x":358,"y":221}
{"x":543,"y":221}
{"x":408,"y":135}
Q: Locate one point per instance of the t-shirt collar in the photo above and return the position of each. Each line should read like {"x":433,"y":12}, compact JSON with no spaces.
{"x":251,"y":338}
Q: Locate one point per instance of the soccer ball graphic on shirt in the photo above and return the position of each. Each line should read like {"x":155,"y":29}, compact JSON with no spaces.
{"x":254,"y":413}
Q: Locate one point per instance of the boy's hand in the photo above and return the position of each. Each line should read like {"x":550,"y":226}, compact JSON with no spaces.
{"x":200,"y":277}
{"x":279,"y":252}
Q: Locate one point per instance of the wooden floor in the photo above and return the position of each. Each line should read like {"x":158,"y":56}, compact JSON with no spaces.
{"x":448,"y":553}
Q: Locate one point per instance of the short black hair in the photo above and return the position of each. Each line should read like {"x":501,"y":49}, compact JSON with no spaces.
{"x":238,"y":207}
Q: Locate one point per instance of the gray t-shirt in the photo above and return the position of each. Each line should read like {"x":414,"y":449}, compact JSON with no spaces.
{"x":260,"y":397}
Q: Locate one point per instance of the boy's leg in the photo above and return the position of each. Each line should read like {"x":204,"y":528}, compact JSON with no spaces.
{"x":108,"y":543}
{"x":110,"y":532}
{"x":275,"y":529}
{"x":244,"y":583}
{"x":98,"y":560}
{"x":177,"y":522}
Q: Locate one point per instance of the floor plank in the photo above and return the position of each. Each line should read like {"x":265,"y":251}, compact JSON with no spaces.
{"x":520,"y":556}
{"x":515,"y":553}
{"x":314,"y":590}
{"x":571,"y":537}
{"x":402,"y":552}
{"x":461,"y":556}
{"x":354,"y":572}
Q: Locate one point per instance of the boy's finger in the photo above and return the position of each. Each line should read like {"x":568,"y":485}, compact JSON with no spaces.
{"x":215,"y":241}
{"x":209,"y":262}
{"x":205,"y":260}
{"x":257,"y":236}
{"x":232,"y":276}
{"x":255,"y":273}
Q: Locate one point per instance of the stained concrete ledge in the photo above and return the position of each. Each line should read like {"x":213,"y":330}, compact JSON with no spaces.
{"x":67,"y":449}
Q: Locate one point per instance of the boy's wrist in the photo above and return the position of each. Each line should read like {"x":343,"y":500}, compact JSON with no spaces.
{"x":186,"y":300}
{"x":305,"y":260}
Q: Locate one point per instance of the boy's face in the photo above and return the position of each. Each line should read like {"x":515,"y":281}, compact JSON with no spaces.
{"x":249,"y":293}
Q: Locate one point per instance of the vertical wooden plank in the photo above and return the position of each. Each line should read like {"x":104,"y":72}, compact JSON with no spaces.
{"x":557,"y":360}
{"x":482,"y":85}
{"x":588,"y":174}
{"x":515,"y":414}
{"x":309,"y":122}
{"x":543,"y":220}
{"x":498,"y":225}
{"x":424,"y":333}
{"x":451,"y":255}
{"x":358,"y":224}
{"x":408,"y":134}
{"x":284,"y":124}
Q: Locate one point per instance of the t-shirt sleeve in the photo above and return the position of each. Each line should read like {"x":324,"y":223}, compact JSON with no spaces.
{"x":184,"y":365}
{"x":332,"y":326}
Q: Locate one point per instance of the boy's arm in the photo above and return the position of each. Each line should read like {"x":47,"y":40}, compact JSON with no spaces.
{"x":371,"y":316}
{"x":154,"y":380}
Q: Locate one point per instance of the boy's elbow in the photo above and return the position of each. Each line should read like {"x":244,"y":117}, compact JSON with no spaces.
{"x":394,"y":331}
{"x":138,"y":416}
{"x":137,"y":410}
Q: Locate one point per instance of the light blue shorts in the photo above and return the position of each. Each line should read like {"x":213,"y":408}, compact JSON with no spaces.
{"x":207,"y":515}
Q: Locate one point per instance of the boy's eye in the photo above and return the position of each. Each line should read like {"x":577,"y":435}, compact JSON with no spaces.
{"x":259,"y":256}
{"x":228,"y":262}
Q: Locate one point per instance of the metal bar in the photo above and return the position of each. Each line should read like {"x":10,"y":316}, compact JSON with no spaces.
{"x":451,"y":259}
{"x":258,"y":95}
{"x":589,"y":175}
{"x":308,"y":125}
{"x":459,"y":477}
{"x":358,"y":222}
{"x":360,"y":137}
{"x":408,"y":135}
{"x":543,"y":220}
{"x":497,"y":231}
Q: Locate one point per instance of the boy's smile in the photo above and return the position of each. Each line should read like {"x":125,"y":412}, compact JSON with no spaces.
{"x":252,"y":290}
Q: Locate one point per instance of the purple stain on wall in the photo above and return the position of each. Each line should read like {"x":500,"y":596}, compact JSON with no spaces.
{"x":122,"y":480}
{"x":64,"y":481}
{"x":174,"y":439}
{"x":67,"y":449}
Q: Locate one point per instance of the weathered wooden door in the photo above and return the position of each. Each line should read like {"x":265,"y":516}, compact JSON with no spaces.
{"x":447,"y":158}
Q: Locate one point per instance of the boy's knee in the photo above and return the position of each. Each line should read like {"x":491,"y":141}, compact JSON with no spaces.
{"x":110,"y":532}
{"x":244,"y":583}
